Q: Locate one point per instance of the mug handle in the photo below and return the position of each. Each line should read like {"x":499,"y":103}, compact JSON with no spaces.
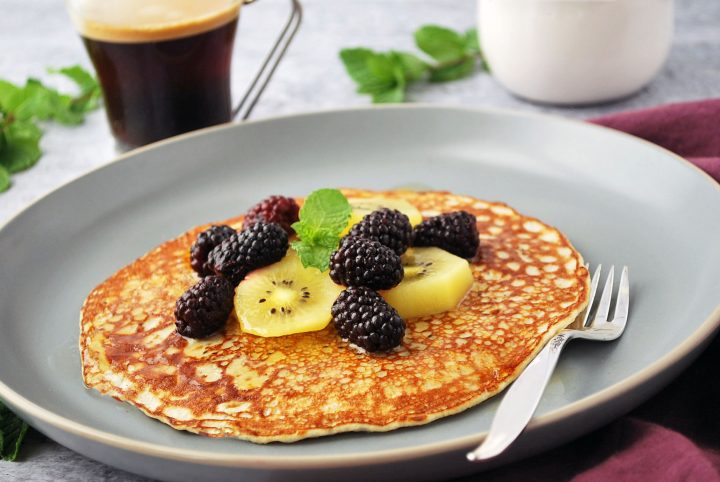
{"x":271,"y":62}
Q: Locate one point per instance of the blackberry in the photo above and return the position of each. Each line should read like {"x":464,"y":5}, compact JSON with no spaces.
{"x":275,"y":209}
{"x":454,"y":232}
{"x":388,"y":227}
{"x":364,"y":262}
{"x":363,"y":317}
{"x":205,"y":243}
{"x":204,"y":308}
{"x":253,"y":247}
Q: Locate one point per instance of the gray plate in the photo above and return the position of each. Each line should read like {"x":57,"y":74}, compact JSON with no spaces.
{"x":620,"y":200}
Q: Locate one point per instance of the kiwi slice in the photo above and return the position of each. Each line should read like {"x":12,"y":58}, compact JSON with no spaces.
{"x":435,"y":281}
{"x":285,"y":298}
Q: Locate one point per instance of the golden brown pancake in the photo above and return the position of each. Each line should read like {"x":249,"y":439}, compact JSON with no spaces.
{"x":529,"y":284}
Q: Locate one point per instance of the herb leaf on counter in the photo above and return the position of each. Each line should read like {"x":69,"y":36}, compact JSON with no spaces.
{"x":386,"y":75}
{"x":4,"y":179}
{"x":440,"y":43}
{"x":12,"y":433}
{"x":21,"y":107}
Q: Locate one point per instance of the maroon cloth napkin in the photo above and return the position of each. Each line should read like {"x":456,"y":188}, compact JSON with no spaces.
{"x":676,"y":435}
{"x":689,"y":129}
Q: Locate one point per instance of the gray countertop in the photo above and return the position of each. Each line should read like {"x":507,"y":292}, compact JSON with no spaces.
{"x":36,"y":34}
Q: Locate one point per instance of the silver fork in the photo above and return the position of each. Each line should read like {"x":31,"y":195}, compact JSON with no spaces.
{"x":521,"y":400}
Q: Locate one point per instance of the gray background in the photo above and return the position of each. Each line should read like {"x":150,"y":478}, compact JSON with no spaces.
{"x":36,"y":34}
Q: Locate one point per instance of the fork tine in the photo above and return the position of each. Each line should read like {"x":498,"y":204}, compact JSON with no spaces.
{"x":604,"y":307}
{"x":623,"y":300}
{"x":593,"y":289}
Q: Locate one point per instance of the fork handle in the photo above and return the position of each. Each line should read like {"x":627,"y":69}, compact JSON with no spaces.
{"x":519,"y":403}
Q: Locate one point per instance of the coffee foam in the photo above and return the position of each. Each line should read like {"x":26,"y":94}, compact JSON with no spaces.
{"x":133,"y":21}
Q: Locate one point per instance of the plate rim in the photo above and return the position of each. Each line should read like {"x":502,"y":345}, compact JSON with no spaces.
{"x":686,"y":348}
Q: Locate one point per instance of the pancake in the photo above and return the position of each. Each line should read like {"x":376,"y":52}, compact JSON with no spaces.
{"x":529,"y":283}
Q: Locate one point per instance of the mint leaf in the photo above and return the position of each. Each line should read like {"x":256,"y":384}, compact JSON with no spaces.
{"x":390,"y":96}
{"x":382,"y":75}
{"x":34,"y":101}
{"x":8,"y":93}
{"x":315,"y":255}
{"x":84,"y":80}
{"x":22,"y":106}
{"x":386,"y":75}
{"x":37,"y":101}
{"x":368,"y":70}
{"x":413,"y":67}
{"x":324,"y":209}
{"x":453,"y":72}
{"x":472,"y":45}
{"x":89,"y":97}
{"x":22,"y":146}
{"x":395,"y":94}
{"x":472,"y":42}
{"x":4,"y":179}
{"x":323,"y":216}
{"x":440,"y":43}
{"x":12,"y":433}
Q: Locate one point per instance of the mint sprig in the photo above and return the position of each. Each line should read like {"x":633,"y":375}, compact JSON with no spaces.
{"x":21,"y":107}
{"x":323,"y":216}
{"x":12,"y":433}
{"x":386,"y":75}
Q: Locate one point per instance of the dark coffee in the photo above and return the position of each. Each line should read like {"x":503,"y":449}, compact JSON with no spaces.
{"x":159,"y":88}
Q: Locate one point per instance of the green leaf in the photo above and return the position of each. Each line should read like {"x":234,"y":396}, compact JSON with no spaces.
{"x":37,"y":101}
{"x":20,"y":107}
{"x":472,"y":42}
{"x":33,"y":101}
{"x":324,"y":209}
{"x":385,"y":75}
{"x":12,"y":433}
{"x":323,"y":216}
{"x":4,"y":179}
{"x":369,"y":74}
{"x":64,"y":112}
{"x":89,"y":98}
{"x":397,"y":93}
{"x":453,"y":72}
{"x":382,"y":66}
{"x":413,"y":67}
{"x":84,"y":80}
{"x":440,"y":43}
{"x":8,"y":92}
{"x":22,"y":149}
{"x":315,"y":255}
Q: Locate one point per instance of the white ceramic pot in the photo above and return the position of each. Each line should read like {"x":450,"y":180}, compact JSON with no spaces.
{"x":575,"y":51}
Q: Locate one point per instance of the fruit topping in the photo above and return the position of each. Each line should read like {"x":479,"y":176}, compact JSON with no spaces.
{"x":204,"y":308}
{"x":364,"y":206}
{"x":285,"y":298}
{"x":205,"y":243}
{"x":455,"y":232}
{"x":364,"y":262}
{"x":254,"y":247}
{"x":389,"y":227}
{"x":364,"y":318}
{"x":435,"y":281}
{"x":275,"y":209}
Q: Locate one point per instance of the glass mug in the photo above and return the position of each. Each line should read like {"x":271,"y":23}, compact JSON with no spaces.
{"x":164,"y":65}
